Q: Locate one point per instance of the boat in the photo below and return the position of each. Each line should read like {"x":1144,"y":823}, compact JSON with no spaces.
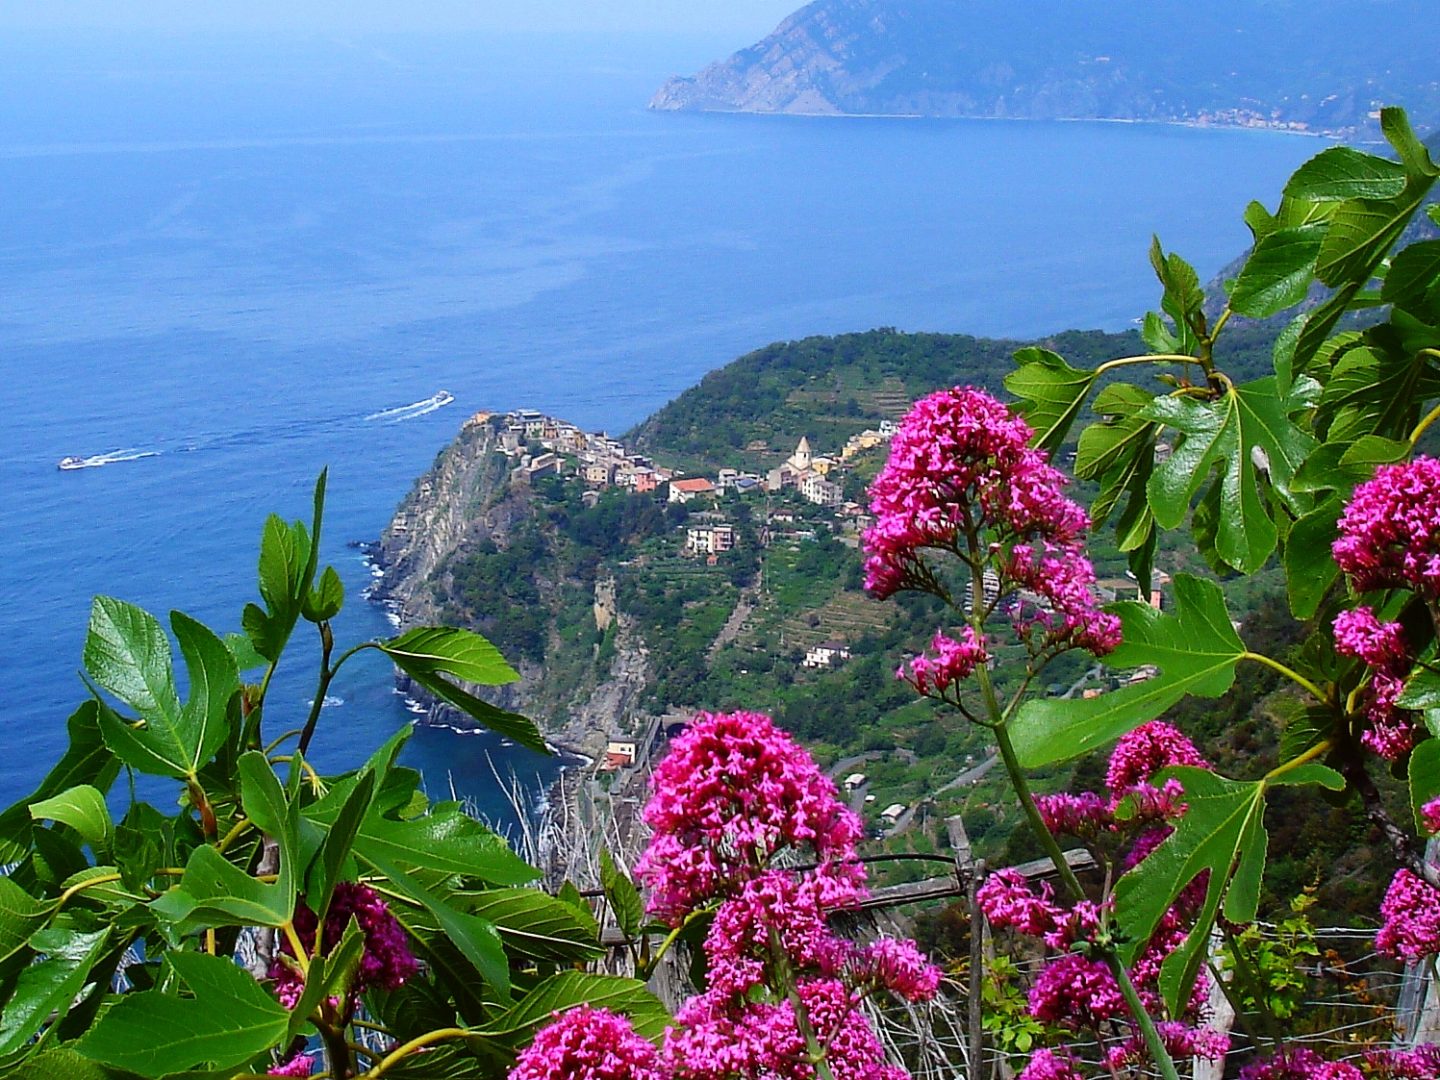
{"x":72,"y":463}
{"x":444,"y":397}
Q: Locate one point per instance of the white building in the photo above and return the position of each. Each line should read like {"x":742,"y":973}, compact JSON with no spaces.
{"x":709,"y":539}
{"x":826,"y":654}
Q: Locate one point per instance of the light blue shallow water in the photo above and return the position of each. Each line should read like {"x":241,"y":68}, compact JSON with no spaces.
{"x":231,"y":253}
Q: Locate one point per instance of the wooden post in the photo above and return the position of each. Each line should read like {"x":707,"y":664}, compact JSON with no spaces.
{"x":976,"y":1045}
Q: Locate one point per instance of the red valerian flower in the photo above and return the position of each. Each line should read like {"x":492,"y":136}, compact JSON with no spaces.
{"x":587,"y":1043}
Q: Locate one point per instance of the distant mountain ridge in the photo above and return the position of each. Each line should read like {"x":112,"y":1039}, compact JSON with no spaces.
{"x":1320,"y":66}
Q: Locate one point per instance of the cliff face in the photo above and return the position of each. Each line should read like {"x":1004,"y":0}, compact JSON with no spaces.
{"x":466,"y":503}
{"x":1320,"y":66}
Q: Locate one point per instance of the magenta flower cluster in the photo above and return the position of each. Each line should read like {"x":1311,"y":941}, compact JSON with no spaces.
{"x":961,"y":472}
{"x":1302,"y":1063}
{"x":734,"y":792}
{"x":1073,"y":990}
{"x":1359,"y":633}
{"x":1390,"y":530}
{"x":299,"y":1065}
{"x":386,"y":963}
{"x":587,"y":1043}
{"x":1410,"y":918}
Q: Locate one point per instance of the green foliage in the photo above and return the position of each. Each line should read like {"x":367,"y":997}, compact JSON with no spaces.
{"x":1196,"y":650}
{"x":246,"y":846}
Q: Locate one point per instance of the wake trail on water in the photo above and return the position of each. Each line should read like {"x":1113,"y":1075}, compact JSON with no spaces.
{"x":112,"y":457}
{"x":413,"y":411}
{"x":279,"y":432}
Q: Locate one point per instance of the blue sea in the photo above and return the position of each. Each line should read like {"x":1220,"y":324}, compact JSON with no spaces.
{"x":226,"y":257}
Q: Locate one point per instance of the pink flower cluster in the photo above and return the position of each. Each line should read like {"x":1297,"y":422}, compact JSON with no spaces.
{"x":1420,"y":1062}
{"x":961,"y":463}
{"x":951,"y":664}
{"x":1390,"y":530}
{"x":386,"y":963}
{"x":1073,"y":990}
{"x":719,"y":1038}
{"x":1301,"y":1063}
{"x":1382,"y":647}
{"x":1410,"y":918}
{"x":587,"y":1043}
{"x":732,"y":792}
{"x":1136,"y":758}
{"x":1430,"y":816}
{"x":299,"y":1065}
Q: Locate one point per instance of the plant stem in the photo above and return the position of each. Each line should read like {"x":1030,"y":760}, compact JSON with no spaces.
{"x":1290,"y":673}
{"x":418,"y":1043}
{"x":1142,"y":1018}
{"x":327,"y":673}
{"x":1318,"y":750}
{"x":1430,"y":418}
{"x":1148,"y":358}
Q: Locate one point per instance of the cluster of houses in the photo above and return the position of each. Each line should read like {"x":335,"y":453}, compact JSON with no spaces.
{"x":542,"y":445}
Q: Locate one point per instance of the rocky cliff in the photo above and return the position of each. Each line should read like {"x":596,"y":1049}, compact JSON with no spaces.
{"x":467,"y":503}
{"x":1320,"y":66}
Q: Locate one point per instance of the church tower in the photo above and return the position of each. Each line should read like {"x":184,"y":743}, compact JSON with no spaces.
{"x":800,"y":460}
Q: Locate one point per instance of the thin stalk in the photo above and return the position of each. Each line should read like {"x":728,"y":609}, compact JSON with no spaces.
{"x":327,"y":675}
{"x":1430,"y":418}
{"x":327,"y":645}
{"x":1290,"y":673}
{"x":418,"y":1043}
{"x":1148,"y":358}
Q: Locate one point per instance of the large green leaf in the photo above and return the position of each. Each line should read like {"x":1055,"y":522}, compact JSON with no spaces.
{"x":477,"y":939}
{"x":1183,"y":299}
{"x":1278,"y":273}
{"x":511,"y":725}
{"x":1342,"y":173}
{"x":124,"y":655}
{"x":451,"y":651}
{"x":50,"y":985}
{"x":532,"y":923}
{"x":216,"y":892}
{"x":230,"y":1020}
{"x":1222,"y":832}
{"x":1051,"y":394}
{"x":1195,"y":650}
{"x":1424,"y":769}
{"x":127,"y":653}
{"x":20,"y":916}
{"x":1413,"y":275}
{"x":86,"y":761}
{"x":447,"y":840}
{"x":83,"y":809}
{"x":1310,"y":569}
{"x":1244,"y":430}
{"x":571,"y":988}
{"x":427,"y":653}
{"x":622,"y":895}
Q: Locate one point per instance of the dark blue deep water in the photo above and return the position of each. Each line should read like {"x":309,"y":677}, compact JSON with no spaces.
{"x":227,"y":254}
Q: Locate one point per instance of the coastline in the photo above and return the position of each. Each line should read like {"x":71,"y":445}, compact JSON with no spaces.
{"x":1339,"y":135}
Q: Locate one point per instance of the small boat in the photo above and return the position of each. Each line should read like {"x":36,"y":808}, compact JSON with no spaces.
{"x":72,"y":463}
{"x":444,"y":397}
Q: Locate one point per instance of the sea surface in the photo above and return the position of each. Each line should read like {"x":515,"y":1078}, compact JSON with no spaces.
{"x":228,"y":262}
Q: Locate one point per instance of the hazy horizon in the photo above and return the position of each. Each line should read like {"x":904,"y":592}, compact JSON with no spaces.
{"x":747,"y":20}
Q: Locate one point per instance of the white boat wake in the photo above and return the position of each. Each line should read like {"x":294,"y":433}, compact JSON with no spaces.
{"x":114,"y":457}
{"x":414,"y":410}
